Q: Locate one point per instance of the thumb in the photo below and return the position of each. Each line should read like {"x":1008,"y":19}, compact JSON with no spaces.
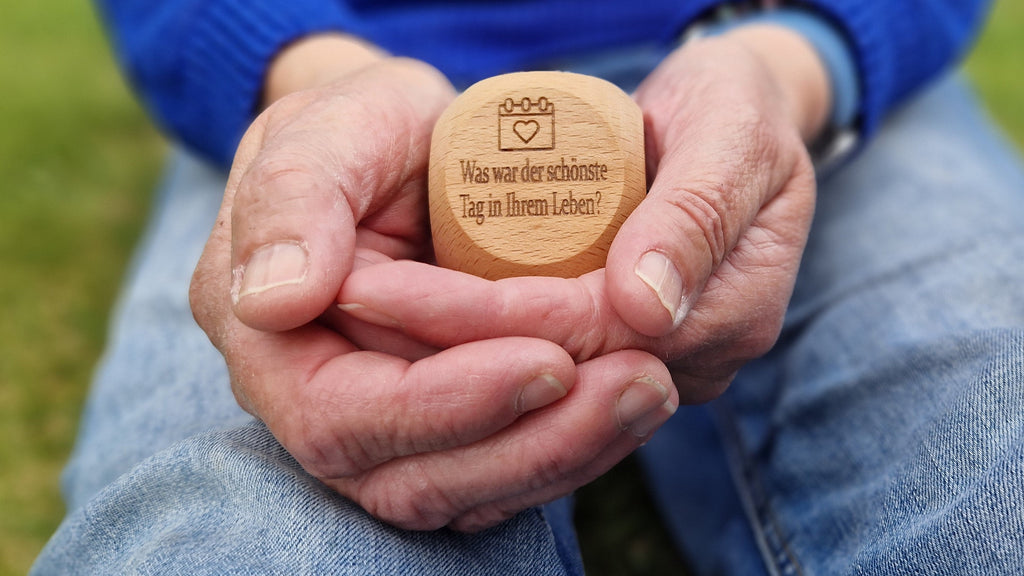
{"x":722,"y":151}
{"x":336,"y":167}
{"x":291,"y":239}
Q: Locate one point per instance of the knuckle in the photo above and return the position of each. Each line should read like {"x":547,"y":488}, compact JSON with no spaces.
{"x":322,"y":449}
{"x":704,"y":212}
{"x":275,"y":177}
{"x":412,"y":502}
{"x":559,"y":459}
{"x":335,"y":434}
{"x":211,"y":310}
{"x":413,"y":424}
{"x":442,"y":430}
{"x":207,"y":290}
{"x":593,"y":310}
{"x":310,"y":450}
{"x":323,"y":460}
{"x":197,"y":300}
{"x":283,"y":195}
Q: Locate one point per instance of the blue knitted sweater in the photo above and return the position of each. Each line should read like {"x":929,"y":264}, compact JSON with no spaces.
{"x":198,"y":65}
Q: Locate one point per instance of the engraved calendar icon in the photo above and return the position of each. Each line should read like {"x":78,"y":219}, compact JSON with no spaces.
{"x":526,"y":125}
{"x":526,"y":207}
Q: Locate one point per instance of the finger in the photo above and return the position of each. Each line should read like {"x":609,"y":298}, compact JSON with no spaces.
{"x":736,"y":319}
{"x":620,"y":401}
{"x":442,"y":308}
{"x":340,"y":412}
{"x":716,"y":167}
{"x":366,"y":336}
{"x":329,"y":160}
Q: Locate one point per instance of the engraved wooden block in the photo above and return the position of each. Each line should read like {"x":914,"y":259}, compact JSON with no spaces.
{"x":533,"y":173}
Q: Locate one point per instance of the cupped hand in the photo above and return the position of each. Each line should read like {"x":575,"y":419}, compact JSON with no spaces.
{"x":330,"y":179}
{"x":701,"y":273}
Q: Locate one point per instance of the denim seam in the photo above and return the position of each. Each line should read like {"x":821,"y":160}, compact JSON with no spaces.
{"x":779,"y":558}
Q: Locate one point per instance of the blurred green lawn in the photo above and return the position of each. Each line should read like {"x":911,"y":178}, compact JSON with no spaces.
{"x":77,"y":162}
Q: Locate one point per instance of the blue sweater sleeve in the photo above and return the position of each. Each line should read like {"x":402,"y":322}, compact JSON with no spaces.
{"x":900,"y":45}
{"x":199,"y":65}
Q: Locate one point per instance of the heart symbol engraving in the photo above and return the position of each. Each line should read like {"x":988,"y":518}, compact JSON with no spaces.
{"x":526,"y":130}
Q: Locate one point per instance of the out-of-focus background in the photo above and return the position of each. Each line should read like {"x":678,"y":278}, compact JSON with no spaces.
{"x":78,"y":161}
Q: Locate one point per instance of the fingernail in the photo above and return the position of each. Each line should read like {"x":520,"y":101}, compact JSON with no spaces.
{"x":542,"y":391}
{"x":653,"y":420}
{"x":657,"y":271}
{"x":643,"y":406}
{"x":271,"y":266}
{"x":369,"y":315}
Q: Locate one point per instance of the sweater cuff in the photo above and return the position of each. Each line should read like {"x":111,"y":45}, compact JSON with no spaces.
{"x":226,"y":61}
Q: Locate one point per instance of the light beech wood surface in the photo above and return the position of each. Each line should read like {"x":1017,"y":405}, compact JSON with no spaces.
{"x":532,"y":173}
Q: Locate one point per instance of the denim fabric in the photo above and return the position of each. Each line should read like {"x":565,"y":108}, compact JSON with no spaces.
{"x":160,"y":381}
{"x":883,"y":435}
{"x":169,"y":476}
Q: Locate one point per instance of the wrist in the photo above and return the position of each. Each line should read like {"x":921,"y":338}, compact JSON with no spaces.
{"x":800,"y":74}
{"x":314,"y":61}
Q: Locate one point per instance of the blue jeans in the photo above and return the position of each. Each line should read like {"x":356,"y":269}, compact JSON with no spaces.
{"x":884,"y":434}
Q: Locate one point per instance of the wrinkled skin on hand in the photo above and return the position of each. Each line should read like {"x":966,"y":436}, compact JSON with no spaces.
{"x":700,"y":274}
{"x":331,"y":179}
{"x":432,"y":398}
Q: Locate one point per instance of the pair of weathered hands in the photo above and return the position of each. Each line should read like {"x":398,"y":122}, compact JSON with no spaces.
{"x":433,"y":398}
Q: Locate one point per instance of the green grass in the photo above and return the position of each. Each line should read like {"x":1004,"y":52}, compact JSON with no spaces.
{"x":77,"y":162}
{"x":997,"y":67}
